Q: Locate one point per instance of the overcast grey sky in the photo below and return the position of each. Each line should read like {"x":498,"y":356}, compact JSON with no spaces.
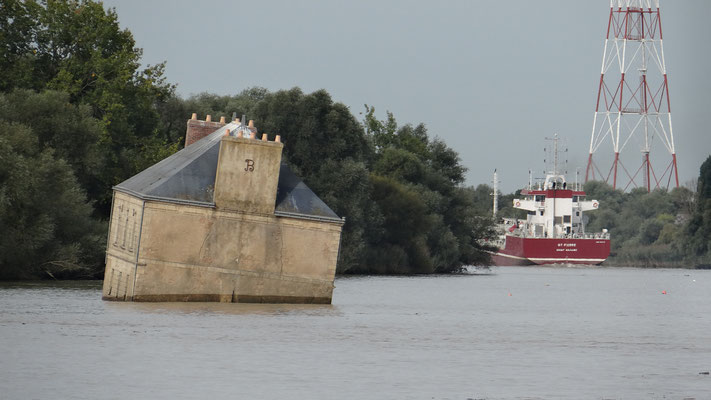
{"x":491,"y":78}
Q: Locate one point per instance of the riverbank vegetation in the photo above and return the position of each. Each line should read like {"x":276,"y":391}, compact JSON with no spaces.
{"x":657,"y":229}
{"x":78,"y":114}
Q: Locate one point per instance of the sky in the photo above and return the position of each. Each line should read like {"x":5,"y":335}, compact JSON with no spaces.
{"x":492,"y":79}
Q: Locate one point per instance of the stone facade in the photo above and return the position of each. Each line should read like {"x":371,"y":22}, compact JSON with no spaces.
{"x":239,"y":248}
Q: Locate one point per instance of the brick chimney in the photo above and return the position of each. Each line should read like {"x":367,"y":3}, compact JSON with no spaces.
{"x":199,"y":129}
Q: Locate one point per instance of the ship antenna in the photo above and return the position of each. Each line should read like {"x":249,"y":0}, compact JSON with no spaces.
{"x":530,"y":180}
{"x":555,"y":153}
{"x":565,"y":172}
{"x":496,"y":193}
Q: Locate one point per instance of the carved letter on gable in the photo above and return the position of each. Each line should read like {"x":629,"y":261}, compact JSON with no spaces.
{"x":250,"y":165}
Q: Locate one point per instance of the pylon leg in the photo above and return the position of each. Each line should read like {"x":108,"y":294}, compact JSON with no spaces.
{"x":587,"y":170}
{"x":646,"y":174}
{"x":676,"y":171}
{"x":614,"y":166}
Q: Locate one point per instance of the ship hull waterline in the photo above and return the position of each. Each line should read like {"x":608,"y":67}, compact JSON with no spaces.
{"x":539,"y":251}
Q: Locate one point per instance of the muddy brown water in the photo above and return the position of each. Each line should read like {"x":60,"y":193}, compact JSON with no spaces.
{"x":513,"y":333}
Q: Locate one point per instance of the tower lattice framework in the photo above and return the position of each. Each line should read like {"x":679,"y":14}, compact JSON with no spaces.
{"x":633,"y":110}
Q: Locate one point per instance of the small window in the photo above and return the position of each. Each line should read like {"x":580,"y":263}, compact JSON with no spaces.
{"x":566,"y":218}
{"x":575,"y":199}
{"x":577,"y":213}
{"x":542,"y":212}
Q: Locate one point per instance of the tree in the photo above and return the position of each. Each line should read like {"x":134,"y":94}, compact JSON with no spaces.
{"x":401,"y":245}
{"x":19,"y":24}
{"x":446,"y":161}
{"x":45,"y":220}
{"x":696,"y":242}
{"x":399,"y":164}
{"x":174,"y":110}
{"x":472,"y":228}
{"x":345,"y":186}
{"x":683,"y":200}
{"x":71,"y":131}
{"x":313,"y":128}
{"x":77,"y":47}
{"x":381,"y":132}
{"x":456,"y":223}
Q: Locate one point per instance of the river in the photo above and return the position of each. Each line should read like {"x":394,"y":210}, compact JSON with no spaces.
{"x":513,"y":333}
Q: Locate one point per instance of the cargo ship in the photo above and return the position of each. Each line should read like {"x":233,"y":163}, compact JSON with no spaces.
{"x":554,"y":229}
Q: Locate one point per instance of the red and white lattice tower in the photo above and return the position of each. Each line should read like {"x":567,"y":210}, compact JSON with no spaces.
{"x":633,"y":108}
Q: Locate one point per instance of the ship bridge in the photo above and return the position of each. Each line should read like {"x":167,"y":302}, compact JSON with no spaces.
{"x":553,"y":209}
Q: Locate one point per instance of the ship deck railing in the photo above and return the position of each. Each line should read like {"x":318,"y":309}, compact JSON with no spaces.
{"x":597,"y":235}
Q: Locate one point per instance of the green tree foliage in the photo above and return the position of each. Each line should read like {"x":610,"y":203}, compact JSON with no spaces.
{"x":400,"y":165}
{"x":77,"y":47}
{"x":401,"y":246}
{"x":484,"y":202}
{"x":175,"y":110}
{"x":398,"y":190}
{"x":18,"y":44}
{"x":71,"y":131}
{"x":410,"y":167}
{"x":45,"y":219}
{"x":313,"y":128}
{"x":661,"y":228}
{"x":345,"y":186}
{"x":697,"y":235}
{"x":73,"y":95}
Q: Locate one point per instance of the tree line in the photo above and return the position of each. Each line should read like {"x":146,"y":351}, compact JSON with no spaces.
{"x":657,"y":229}
{"x":78,"y":114}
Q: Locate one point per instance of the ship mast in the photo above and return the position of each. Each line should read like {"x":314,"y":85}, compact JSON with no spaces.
{"x":554,"y":176}
{"x":496,"y":193}
{"x":530,"y":180}
{"x":555,"y":154}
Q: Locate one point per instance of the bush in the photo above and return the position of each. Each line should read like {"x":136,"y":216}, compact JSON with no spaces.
{"x":46,"y":223}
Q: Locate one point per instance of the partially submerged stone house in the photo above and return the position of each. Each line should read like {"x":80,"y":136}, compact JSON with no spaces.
{"x":224,"y":220}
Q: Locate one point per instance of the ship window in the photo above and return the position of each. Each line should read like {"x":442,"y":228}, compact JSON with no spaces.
{"x":531,"y":213}
{"x":558,"y":220}
{"x":540,"y":197}
{"x":575,"y":199}
{"x":542,"y":212}
{"x":577,"y":213}
{"x":566,"y":218}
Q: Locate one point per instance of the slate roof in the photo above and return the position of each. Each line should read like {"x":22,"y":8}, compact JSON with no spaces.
{"x":188,"y":177}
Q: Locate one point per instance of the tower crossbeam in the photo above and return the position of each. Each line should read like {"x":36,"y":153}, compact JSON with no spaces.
{"x":633,"y":105}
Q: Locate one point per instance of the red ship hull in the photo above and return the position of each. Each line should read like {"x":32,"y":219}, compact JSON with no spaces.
{"x":531,"y":251}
